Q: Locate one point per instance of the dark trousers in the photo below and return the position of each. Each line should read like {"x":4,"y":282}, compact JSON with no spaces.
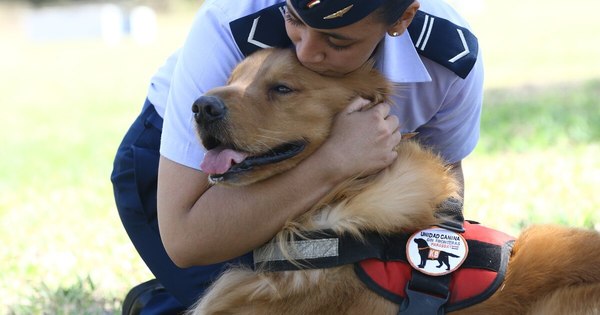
{"x":134,"y":179}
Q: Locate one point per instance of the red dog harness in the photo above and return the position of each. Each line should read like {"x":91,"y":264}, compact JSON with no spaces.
{"x":381,"y":262}
{"x":476,"y":280}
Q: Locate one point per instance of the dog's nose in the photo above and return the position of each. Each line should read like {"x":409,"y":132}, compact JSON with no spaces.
{"x":208,"y":109}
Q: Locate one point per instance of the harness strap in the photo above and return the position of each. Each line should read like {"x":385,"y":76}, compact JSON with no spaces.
{"x":450,"y":211}
{"x":324,"y":249}
{"x":425,"y":295}
{"x":380,"y":261}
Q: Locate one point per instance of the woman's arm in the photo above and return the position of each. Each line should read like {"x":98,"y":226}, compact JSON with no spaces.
{"x":202,"y":224}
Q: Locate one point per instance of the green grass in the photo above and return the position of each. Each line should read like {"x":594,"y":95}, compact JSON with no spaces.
{"x":529,"y":119}
{"x":528,"y":42}
{"x":537,"y":160}
{"x":66,"y":106}
{"x":79,"y":298}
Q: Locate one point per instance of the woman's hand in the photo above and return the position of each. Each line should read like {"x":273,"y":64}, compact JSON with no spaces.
{"x":362,"y":142}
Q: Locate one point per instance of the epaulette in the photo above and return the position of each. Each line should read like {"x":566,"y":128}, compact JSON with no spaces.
{"x":444,"y":42}
{"x":263,"y":29}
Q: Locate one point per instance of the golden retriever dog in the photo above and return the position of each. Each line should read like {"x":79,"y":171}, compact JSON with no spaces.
{"x":271,"y":115}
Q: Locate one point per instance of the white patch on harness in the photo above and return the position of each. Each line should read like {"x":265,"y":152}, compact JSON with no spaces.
{"x":436,"y":251}
{"x":298,"y":250}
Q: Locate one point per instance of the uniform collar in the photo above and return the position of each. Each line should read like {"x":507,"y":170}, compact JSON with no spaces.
{"x":399,"y":61}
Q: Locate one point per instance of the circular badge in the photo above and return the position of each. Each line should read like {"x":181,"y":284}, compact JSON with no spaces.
{"x":436,"y":251}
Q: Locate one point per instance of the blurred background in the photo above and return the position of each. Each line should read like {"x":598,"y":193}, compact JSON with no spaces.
{"x":74,"y":74}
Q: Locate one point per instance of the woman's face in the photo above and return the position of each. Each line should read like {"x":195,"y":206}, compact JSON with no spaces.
{"x":334,"y":52}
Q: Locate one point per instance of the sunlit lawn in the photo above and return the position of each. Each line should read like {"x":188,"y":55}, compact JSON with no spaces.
{"x":537,"y":161}
{"x":66,"y":106}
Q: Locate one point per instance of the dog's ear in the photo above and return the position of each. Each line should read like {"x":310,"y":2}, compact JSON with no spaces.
{"x":376,"y":87}
{"x":368,"y":65}
{"x":380,"y":88}
{"x":368,"y":83}
{"x":381,"y":95}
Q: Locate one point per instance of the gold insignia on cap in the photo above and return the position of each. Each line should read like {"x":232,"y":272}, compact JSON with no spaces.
{"x":313,"y":3}
{"x":339,"y":13}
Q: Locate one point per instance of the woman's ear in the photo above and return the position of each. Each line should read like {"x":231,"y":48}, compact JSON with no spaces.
{"x":402,"y":24}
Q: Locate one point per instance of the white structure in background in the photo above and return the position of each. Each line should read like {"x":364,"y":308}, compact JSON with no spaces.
{"x":87,"y":21}
{"x":143,"y":25}
{"x":75,"y":22}
{"x":111,"y":23}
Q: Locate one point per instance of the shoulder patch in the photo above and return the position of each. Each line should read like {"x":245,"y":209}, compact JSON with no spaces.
{"x":263,"y":29}
{"x":444,"y":42}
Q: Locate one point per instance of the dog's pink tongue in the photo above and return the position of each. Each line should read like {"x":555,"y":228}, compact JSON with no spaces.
{"x":219,"y":160}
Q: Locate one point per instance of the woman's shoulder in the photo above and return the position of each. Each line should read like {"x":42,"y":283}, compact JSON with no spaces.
{"x":255,"y":24}
{"x":441,"y":34}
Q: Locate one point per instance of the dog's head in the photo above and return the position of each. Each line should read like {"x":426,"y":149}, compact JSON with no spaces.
{"x":421,"y":242}
{"x":272,"y":114}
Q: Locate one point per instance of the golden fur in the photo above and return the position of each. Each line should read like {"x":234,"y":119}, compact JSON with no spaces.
{"x":553,"y":270}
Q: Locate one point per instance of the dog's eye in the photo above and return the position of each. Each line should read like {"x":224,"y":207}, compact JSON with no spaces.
{"x":281,"y":89}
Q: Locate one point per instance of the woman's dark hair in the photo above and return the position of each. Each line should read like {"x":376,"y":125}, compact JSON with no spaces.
{"x":391,"y":10}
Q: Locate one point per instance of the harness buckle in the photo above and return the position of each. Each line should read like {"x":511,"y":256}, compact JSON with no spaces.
{"x":419,"y":303}
{"x":452,"y":226}
{"x":450,"y":210}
